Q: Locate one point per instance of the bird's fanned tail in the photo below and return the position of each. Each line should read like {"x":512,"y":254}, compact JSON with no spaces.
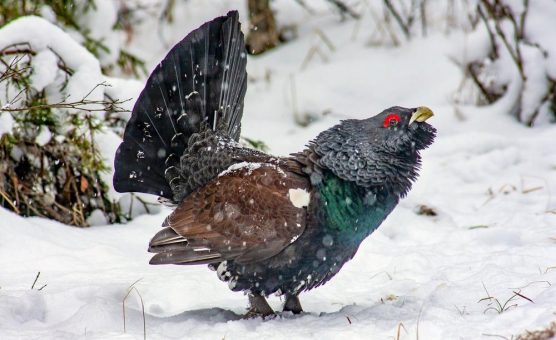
{"x":199,"y":85}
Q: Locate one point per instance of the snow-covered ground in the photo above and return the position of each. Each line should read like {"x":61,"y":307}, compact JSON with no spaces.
{"x":488,"y":179}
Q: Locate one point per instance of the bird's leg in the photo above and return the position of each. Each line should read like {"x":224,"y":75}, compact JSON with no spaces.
{"x":258,"y":307}
{"x":292,"y":304}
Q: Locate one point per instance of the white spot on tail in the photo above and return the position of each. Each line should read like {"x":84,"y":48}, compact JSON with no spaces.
{"x":299,"y":197}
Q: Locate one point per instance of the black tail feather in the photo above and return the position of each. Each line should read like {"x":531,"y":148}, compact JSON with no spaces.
{"x":199,"y":85}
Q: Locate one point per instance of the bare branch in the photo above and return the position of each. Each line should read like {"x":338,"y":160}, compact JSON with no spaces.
{"x":345,"y":9}
{"x":397,"y":16}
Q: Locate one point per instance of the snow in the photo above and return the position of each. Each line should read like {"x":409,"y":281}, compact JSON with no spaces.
{"x":44,"y":69}
{"x":44,"y":36}
{"x":127,"y":90}
{"x":6,"y":123}
{"x":86,"y":82}
{"x":249,"y":166}
{"x":97,"y":218}
{"x":108,"y":142}
{"x":100,"y":20}
{"x":489,"y":180}
{"x":540,"y":13}
{"x":528,"y":87}
{"x":44,"y":136}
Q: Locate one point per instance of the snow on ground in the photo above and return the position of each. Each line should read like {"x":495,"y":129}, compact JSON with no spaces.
{"x":489,"y":180}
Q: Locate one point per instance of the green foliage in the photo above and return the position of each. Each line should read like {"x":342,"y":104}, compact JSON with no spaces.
{"x":39,"y":113}
{"x":130,"y":64}
{"x":255,"y":144}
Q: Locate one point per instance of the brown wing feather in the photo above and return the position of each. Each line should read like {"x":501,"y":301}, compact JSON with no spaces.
{"x":245,"y":214}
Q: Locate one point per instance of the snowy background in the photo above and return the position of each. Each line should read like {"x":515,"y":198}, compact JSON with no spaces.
{"x":478,"y":228}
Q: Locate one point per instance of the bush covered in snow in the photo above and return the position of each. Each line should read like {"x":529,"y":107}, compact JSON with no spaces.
{"x":513,"y":56}
{"x":53,"y":113}
{"x":98,"y":25}
{"x":60,"y":117}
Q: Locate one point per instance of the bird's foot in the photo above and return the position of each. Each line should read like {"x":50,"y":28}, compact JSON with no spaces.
{"x":253,"y":314}
{"x":292,"y":304}
{"x":259,"y":307}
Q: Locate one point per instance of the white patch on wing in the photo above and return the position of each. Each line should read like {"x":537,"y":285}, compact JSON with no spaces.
{"x":299,"y":197}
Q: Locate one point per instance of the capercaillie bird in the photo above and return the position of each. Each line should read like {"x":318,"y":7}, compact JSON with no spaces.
{"x":267,"y":224}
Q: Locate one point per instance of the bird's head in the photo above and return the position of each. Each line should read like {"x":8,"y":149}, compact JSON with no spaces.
{"x":399,"y":130}
{"x":379,"y":152}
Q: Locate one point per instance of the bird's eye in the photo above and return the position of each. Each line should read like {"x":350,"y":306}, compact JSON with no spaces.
{"x":391,"y":120}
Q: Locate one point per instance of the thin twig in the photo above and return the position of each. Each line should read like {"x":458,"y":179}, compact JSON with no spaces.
{"x":423,"y":11}
{"x":345,"y":8}
{"x":398,"y":18}
{"x":7,"y":199}
{"x":492,"y":38}
{"x":36,"y":278}
{"x":548,"y":97}
{"x":305,"y":6}
{"x":515,"y":54}
{"x":488,"y":95}
{"x":384,"y":27}
{"x":78,"y":105}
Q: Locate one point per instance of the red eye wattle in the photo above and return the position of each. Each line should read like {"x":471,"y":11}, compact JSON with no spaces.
{"x":391,"y":120}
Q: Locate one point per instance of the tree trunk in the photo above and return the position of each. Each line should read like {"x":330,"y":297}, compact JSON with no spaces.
{"x":262,"y":29}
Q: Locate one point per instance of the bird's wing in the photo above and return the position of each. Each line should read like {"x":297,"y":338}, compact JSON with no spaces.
{"x":249,"y":213}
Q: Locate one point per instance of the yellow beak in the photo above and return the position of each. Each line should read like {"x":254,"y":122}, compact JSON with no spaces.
{"x":421,"y":114}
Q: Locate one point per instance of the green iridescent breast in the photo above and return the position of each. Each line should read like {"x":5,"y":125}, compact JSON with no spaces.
{"x":350,"y":211}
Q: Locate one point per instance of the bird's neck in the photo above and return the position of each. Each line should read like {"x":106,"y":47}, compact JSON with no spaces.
{"x":349,"y":210}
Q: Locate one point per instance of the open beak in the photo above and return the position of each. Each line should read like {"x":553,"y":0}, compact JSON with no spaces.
{"x":421,"y":114}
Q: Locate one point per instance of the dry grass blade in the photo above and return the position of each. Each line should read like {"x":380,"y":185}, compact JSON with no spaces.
{"x":418,"y":321}
{"x":523,"y":296}
{"x":499,"y":307}
{"x":327,"y":41}
{"x":129,"y":290}
{"x":398,"y":332}
{"x":549,"y":269}
{"x":9,"y":201}
{"x":526,"y":191}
